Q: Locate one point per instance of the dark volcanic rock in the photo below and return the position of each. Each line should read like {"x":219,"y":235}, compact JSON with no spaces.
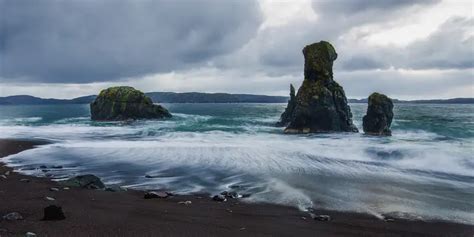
{"x":150,"y":195}
{"x":320,"y":104}
{"x":219,"y":198}
{"x":320,"y":217}
{"x":230,"y":194}
{"x":379,"y":115}
{"x":84,"y":181}
{"x":123,"y":103}
{"x":286,"y":116}
{"x":13,"y":216}
{"x":53,"y":213}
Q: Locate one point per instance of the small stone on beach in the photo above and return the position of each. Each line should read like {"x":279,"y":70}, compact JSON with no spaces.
{"x":30,"y":234}
{"x":50,"y":199}
{"x":231,"y":194}
{"x":88,"y":181}
{"x":7,"y":173}
{"x":185,"y":202}
{"x":25,"y":180}
{"x":321,"y":217}
{"x":13,"y":216}
{"x":219,"y":198}
{"x":3,"y":176}
{"x":53,"y":212}
{"x":115,"y":188}
{"x":53,"y":189}
{"x":150,"y":195}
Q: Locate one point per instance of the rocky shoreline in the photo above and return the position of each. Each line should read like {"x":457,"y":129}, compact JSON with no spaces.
{"x":90,"y":212}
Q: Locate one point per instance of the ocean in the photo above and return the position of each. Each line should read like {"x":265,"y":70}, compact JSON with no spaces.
{"x":424,"y":171}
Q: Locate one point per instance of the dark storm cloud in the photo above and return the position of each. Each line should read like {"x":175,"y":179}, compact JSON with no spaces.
{"x":88,"y":41}
{"x":355,"y":7}
{"x":279,"y":48}
{"x":362,"y":63}
{"x":449,"y":47}
{"x":446,"y":48}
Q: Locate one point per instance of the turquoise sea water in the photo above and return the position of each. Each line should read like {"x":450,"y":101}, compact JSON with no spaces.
{"x":425,"y":170}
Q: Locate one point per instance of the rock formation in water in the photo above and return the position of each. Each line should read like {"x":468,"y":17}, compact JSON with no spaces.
{"x":286,"y":116}
{"x":123,"y":103}
{"x":379,"y":115}
{"x":320,"y":104}
{"x":87,"y":181}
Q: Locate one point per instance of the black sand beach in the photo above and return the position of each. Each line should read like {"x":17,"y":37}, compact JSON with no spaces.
{"x":102,"y":213}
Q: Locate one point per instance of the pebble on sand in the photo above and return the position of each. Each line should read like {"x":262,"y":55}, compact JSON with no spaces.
{"x":50,"y":199}
{"x":219,"y":198}
{"x":53,"y":212}
{"x":320,"y":217}
{"x":13,"y":216}
{"x":150,"y":195}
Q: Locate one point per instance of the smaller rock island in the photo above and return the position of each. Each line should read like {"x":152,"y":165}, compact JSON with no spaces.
{"x":379,"y":115}
{"x":125,"y":103}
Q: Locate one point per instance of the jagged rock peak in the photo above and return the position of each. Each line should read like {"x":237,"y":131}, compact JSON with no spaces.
{"x":286,"y":116}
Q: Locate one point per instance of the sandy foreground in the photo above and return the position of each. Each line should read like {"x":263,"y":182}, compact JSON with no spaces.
{"x":103,"y":213}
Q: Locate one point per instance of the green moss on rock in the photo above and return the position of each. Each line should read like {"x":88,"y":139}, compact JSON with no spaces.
{"x":123,"y":103}
{"x":319,"y":58}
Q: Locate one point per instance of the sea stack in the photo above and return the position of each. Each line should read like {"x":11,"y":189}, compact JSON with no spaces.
{"x":379,"y":115}
{"x":125,"y":103}
{"x":320,"y":104}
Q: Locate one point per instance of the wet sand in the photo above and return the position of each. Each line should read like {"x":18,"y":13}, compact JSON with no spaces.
{"x":102,"y":213}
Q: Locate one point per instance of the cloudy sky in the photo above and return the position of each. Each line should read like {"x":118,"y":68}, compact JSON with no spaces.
{"x":407,"y":49}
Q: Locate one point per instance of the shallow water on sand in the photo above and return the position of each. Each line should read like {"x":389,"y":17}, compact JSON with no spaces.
{"x":425,"y":170}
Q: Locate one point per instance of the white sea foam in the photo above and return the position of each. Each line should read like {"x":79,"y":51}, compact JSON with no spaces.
{"x":20,"y":120}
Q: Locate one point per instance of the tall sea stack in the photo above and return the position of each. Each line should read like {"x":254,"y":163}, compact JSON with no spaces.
{"x":379,"y":115}
{"x":320,"y":104}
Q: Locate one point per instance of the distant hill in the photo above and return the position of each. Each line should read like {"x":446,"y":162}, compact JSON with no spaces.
{"x":161,"y":97}
{"x":197,"y":97}
{"x":435,"y":101}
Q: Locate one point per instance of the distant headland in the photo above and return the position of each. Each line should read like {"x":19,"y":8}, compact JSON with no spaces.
{"x":199,"y":97}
